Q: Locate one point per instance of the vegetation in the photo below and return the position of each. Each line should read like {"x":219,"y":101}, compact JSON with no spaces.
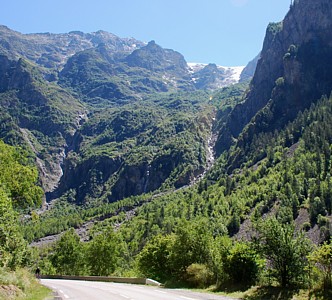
{"x":18,"y":190}
{"x":136,"y":160}
{"x":181,"y":237}
{"x":286,"y":251}
{"x":20,"y":285}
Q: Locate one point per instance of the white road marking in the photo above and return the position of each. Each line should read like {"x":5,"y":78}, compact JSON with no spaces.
{"x":62,"y":292}
{"x":187,"y":298}
{"x":159,"y":291}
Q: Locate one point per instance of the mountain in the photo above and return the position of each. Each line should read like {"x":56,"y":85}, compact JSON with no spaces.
{"x":53,"y":50}
{"x":294,"y":70}
{"x":212,"y":77}
{"x":132,"y":117}
{"x":178,"y":183}
{"x":78,"y":50}
{"x":102,"y":76}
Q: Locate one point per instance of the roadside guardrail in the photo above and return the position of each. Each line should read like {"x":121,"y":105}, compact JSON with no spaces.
{"x":132,"y":280}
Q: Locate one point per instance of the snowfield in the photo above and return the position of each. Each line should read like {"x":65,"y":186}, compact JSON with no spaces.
{"x":230,"y":75}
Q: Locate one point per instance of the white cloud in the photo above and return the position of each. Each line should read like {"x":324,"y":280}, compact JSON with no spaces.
{"x":239,"y":3}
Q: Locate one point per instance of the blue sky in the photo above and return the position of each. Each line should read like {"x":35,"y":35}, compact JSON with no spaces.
{"x":225,"y":32}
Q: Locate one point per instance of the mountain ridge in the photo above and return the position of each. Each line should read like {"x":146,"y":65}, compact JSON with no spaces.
{"x":52,"y":51}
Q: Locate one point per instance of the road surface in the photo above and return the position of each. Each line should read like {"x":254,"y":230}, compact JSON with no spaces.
{"x":89,"y":290}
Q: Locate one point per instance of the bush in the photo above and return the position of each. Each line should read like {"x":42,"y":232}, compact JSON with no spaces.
{"x":21,"y":284}
{"x":153,"y":261}
{"x":243,"y":265}
{"x":306,"y":226}
{"x":322,"y":259}
{"x":68,"y":255}
{"x":199,"y":275}
{"x":280,"y":81}
{"x":322,"y":221}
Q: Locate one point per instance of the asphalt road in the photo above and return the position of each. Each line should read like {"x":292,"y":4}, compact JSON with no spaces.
{"x":88,"y":290}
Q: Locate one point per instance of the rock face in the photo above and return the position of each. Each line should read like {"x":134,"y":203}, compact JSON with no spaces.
{"x":249,"y":70}
{"x":86,"y":177}
{"x":294,"y":70}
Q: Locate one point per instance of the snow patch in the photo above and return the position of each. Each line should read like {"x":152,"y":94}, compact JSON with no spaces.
{"x":229,"y":75}
{"x":195,"y":67}
{"x":236,"y":72}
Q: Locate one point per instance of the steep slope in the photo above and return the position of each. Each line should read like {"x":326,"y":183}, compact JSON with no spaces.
{"x":140,"y":147}
{"x":249,"y":70}
{"x":40,"y":115}
{"x":293,"y":71}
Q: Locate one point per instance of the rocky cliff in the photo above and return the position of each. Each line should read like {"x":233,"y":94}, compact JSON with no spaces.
{"x":249,"y":70}
{"x":293,"y":71}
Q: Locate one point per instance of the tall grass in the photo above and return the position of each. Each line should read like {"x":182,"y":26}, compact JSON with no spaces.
{"x":21,"y":284}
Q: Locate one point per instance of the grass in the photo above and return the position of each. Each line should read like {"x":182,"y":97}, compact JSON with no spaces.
{"x":278,"y":293}
{"x":269,"y":293}
{"x":38,"y":293}
{"x":273,"y":293}
{"x":20,"y":285}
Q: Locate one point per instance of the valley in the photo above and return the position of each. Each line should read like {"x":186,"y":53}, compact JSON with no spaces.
{"x":134,"y":162}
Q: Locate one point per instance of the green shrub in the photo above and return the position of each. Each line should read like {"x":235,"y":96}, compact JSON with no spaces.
{"x":243,"y":264}
{"x":306,"y":226}
{"x":321,"y":258}
{"x":280,"y":81}
{"x":199,"y":275}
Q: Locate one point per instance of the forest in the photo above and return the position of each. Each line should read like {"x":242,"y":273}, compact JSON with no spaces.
{"x":265,"y":224}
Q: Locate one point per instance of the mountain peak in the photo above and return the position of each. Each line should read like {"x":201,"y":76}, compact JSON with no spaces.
{"x":211,"y":76}
{"x":154,"y":57}
{"x":152,"y":43}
